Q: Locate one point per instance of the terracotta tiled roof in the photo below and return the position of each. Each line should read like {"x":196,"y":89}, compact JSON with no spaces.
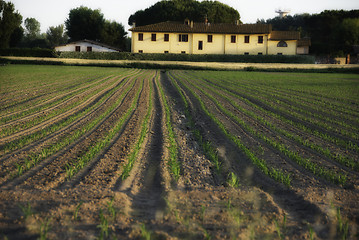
{"x":304,"y":42}
{"x":223,"y":28}
{"x":284,"y":35}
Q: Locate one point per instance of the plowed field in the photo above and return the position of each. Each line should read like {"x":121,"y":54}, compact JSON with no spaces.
{"x":111,"y":153}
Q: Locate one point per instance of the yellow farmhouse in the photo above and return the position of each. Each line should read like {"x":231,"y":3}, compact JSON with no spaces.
{"x":205,"y":38}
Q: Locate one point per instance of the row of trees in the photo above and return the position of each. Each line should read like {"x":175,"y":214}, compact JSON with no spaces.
{"x":12,"y":34}
{"x":332,"y":32}
{"x":179,"y":10}
{"x":82,"y":23}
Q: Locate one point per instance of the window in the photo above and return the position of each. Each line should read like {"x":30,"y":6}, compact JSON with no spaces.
{"x":260,"y":53}
{"x":233,"y":39}
{"x":89,"y":49}
{"x":246,"y":53}
{"x":260,"y":39}
{"x":167,"y":37}
{"x":140,"y":51}
{"x":140,"y":37}
{"x":166,"y":51}
{"x":279,"y":53}
{"x":77,"y":48}
{"x":246,"y":39}
{"x":210,"y":38}
{"x":153,"y":37}
{"x":200,"y":45}
{"x":183,"y":38}
{"x":183,"y":52}
{"x":282,"y":44}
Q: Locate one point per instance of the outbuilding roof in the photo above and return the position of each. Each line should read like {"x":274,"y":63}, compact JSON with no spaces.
{"x":194,"y":27}
{"x":92,"y":42}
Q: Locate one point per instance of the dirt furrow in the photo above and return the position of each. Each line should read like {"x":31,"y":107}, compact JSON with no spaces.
{"x":45,"y":91}
{"x":267,"y":107}
{"x":105,"y":169}
{"x":197,"y":170}
{"x":146,"y":184}
{"x":292,"y":145}
{"x":57,"y":106}
{"x":59,"y":117}
{"x":298,"y":208}
{"x":9,"y":161}
{"x":52,"y":170}
{"x":66,"y":92}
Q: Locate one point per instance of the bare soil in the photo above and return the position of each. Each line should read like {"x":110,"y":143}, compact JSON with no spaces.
{"x":98,"y":204}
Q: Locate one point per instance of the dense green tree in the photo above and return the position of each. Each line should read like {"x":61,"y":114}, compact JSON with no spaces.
{"x":56,"y":35}
{"x":32,"y":29}
{"x":114,"y":34}
{"x":332,"y":32}
{"x":10,"y":25}
{"x":179,"y":10}
{"x":85,"y":23}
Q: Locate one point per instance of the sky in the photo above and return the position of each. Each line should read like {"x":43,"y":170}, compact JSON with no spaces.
{"x":54,"y":12}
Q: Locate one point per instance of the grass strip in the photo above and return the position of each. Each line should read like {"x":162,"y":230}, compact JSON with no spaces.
{"x":277,"y":174}
{"x":173,"y":164}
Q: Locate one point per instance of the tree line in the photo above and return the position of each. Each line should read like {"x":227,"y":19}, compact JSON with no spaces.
{"x":85,"y":23}
{"x":179,"y":10}
{"x":82,"y":23}
{"x":333,"y":32}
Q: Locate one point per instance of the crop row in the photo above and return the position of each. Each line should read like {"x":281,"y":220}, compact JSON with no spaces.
{"x":307,"y":163}
{"x":78,"y":164}
{"x":275,"y":173}
{"x":284,"y":108}
{"x":66,"y":141}
{"x":49,"y":104}
{"x":40,"y":84}
{"x":76,"y":103}
{"x":345,"y":160}
{"x":285,"y":116}
{"x":62,"y":124}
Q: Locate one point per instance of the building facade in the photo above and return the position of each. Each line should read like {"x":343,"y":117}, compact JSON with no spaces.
{"x":206,"y":38}
{"x":85,"y":46}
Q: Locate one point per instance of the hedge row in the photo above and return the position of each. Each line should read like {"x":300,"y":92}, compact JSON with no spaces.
{"x":190,"y":57}
{"x":28,"y":52}
{"x":41,"y":52}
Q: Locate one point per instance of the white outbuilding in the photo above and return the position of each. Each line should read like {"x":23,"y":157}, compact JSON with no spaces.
{"x":86,"y":46}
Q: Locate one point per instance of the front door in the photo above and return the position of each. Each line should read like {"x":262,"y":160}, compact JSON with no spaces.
{"x":200,"y":45}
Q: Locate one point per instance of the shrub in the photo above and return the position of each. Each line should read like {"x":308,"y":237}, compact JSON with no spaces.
{"x":28,"y":52}
{"x":190,"y":57}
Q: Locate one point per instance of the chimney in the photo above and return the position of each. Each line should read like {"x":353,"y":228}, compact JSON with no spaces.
{"x":191,"y":24}
{"x":134,"y":24}
{"x":206,"y":20}
{"x":237,"y":22}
